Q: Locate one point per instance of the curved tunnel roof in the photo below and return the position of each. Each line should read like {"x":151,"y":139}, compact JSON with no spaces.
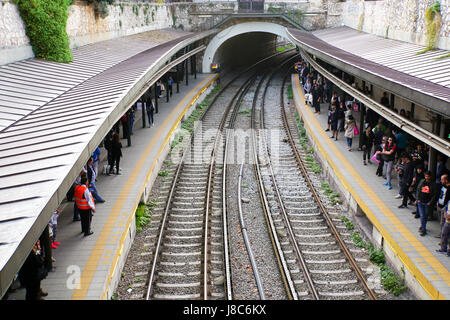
{"x":52,"y":117}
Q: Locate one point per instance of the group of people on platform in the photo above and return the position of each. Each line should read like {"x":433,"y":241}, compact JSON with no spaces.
{"x":85,"y":195}
{"x":390,"y":148}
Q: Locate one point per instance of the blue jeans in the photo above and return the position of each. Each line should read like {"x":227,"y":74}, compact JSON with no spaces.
{"x":388,"y":165}
{"x":150,"y":117}
{"x":349,"y":142}
{"x":422,"y":209}
{"x":94,"y":192}
{"x":131,"y":123}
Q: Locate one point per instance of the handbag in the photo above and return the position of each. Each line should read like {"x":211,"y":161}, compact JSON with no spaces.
{"x":356,"y":131}
{"x":375,"y":158}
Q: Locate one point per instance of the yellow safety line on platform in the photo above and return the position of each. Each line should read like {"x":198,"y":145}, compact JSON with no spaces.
{"x":418,"y":246}
{"x":97,"y":252}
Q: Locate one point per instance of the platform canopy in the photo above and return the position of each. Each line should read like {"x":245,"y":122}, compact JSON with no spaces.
{"x":392,"y":65}
{"x":54,"y":115}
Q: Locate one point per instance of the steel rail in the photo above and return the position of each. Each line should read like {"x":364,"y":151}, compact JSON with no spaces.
{"x":281,"y":260}
{"x":408,"y":126}
{"x":317,"y":198}
{"x":259,"y":284}
{"x":291,"y":234}
{"x":151,"y":276}
{"x":232,"y":105}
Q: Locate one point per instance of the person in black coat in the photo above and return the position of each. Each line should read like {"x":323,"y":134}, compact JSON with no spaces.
{"x":334,"y":122}
{"x":116,"y":150}
{"x":407,"y":180}
{"x":316,"y":98}
{"x":367,"y":139}
{"x":30,"y":274}
{"x":108,"y":145}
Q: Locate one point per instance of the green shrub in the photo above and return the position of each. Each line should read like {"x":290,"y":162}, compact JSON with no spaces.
{"x":46,"y":23}
{"x":142,"y":217}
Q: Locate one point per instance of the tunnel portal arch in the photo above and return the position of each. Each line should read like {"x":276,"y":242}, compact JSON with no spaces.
{"x":236,"y":30}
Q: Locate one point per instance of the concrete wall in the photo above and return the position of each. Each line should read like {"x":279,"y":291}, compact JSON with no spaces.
{"x":401,"y":20}
{"x":83,"y":26}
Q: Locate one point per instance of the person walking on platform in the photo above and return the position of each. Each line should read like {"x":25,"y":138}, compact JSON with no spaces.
{"x":116,"y":149}
{"x":150,"y":108}
{"x":86,"y":205}
{"x":445,"y":233}
{"x":426,"y":198}
{"x":388,"y":156}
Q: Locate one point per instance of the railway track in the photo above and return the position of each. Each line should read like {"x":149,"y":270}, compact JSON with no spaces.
{"x":190,"y":259}
{"x":312,"y":256}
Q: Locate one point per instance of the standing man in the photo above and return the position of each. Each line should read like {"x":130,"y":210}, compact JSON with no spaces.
{"x":96,"y":157}
{"x":150,"y":108}
{"x":426,"y":192}
{"x":444,"y":195}
{"x":76,"y":213}
{"x":445,"y":234}
{"x":85,"y":204}
{"x":91,"y":178}
{"x":170,"y":85}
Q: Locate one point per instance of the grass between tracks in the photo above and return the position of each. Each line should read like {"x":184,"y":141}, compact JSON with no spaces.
{"x":389,"y":279}
{"x":143,"y":214}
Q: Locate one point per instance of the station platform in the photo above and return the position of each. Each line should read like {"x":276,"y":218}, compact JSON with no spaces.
{"x":86,"y":267}
{"x":396,"y":229}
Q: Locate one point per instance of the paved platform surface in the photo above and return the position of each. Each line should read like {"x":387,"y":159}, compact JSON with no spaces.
{"x":93,"y":258}
{"x":397,"y":226}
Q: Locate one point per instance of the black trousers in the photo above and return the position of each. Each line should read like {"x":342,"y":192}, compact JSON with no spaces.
{"x":110,"y":159}
{"x":86,"y":218}
{"x":116,"y":161}
{"x":150,"y":118}
{"x":407,"y":194}
{"x":380,"y":168}
{"x":32,"y":291}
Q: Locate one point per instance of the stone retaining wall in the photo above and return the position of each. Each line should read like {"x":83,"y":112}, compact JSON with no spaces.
{"x":401,"y":20}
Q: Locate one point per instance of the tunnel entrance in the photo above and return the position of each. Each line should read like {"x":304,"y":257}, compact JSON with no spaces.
{"x":240,"y":44}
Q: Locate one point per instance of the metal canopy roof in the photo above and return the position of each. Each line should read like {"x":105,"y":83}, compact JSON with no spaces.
{"x":390,"y":64}
{"x":52,"y":117}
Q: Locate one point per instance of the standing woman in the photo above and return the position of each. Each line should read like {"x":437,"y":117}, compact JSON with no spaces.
{"x":116,"y":150}
{"x":350,"y":131}
{"x":108,"y":145}
{"x":340,"y":117}
{"x":388,"y":155}
{"x":367,"y":142}
{"x":316,"y":98}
